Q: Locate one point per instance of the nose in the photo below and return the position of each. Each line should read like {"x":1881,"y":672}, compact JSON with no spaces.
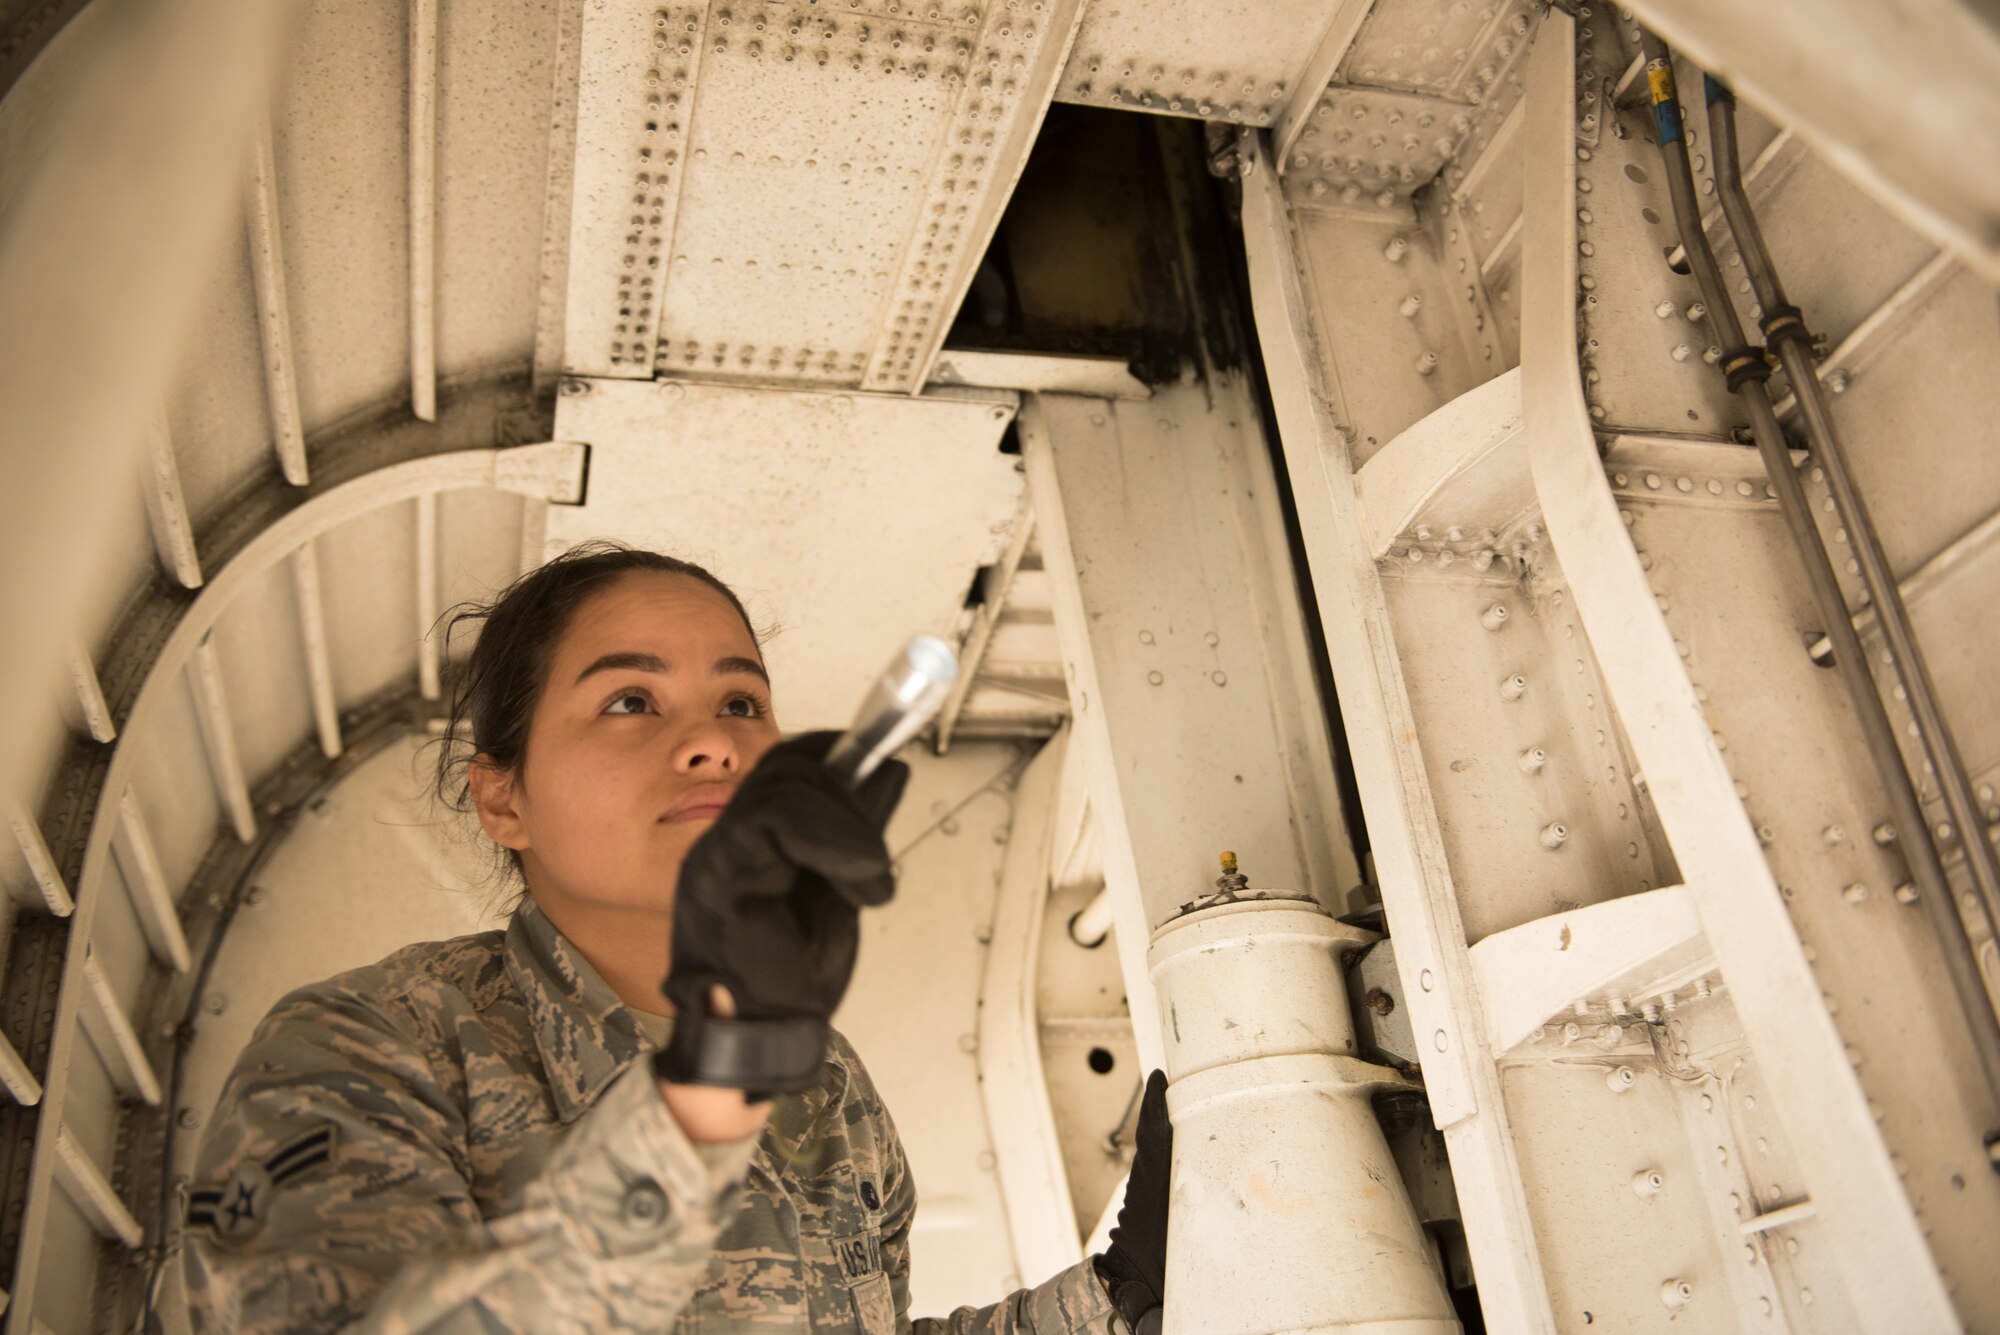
{"x":707,"y":749}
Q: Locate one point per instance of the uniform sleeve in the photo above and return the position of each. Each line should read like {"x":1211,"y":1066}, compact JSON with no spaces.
{"x":1072,"y":1300}
{"x":339,"y":1168}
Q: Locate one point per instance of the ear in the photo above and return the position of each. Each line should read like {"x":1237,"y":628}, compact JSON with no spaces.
{"x":497,"y":798}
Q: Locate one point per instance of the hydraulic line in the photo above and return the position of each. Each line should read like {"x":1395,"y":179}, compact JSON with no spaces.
{"x":1786,"y":334}
{"x":1747,"y":372}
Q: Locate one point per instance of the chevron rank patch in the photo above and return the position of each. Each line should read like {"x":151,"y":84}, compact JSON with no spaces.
{"x":237,"y":1209}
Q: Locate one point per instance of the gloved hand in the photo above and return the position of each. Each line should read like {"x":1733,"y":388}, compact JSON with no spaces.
{"x":1135,"y":1264}
{"x":768,"y":906}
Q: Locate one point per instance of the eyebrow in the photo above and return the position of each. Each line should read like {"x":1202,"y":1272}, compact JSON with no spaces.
{"x":654,"y":663}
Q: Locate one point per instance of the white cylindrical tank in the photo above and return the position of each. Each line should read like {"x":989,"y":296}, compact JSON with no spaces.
{"x":1288,"y":1213}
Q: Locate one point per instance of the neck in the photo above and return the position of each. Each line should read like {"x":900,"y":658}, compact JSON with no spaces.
{"x":627,"y":947}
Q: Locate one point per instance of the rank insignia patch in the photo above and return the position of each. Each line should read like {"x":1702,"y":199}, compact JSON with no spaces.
{"x":238,"y":1208}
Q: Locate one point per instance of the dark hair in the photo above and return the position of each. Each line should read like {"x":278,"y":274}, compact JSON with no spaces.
{"x":494,"y":695}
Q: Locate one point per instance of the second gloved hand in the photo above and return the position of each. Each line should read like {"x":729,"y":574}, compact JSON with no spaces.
{"x":768,"y":906}
{"x":1134,"y":1266}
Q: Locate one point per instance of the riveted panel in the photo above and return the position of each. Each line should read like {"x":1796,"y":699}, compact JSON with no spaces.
{"x":1416,"y":98}
{"x":1393,"y":349}
{"x":794,"y":191}
{"x":1236,"y":62}
{"x":1527,"y":765}
{"x":1726,"y":575}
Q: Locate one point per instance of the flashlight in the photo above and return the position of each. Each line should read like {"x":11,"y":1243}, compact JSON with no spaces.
{"x":904,"y":698}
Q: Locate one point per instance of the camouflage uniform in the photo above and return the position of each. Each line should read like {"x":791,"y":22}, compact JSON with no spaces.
{"x":459,"y":1138}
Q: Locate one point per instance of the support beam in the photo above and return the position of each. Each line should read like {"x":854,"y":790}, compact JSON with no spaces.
{"x":1891,"y":1278}
{"x":1177,"y":663}
{"x":427,"y":595}
{"x":1034,"y":1185}
{"x":1408,"y":844}
{"x":166,"y":506}
{"x":15,"y":1075}
{"x":85,"y":1183}
{"x":1318,"y":72}
{"x":995,"y":582}
{"x":534,"y":534}
{"x":117,"y":1043}
{"x":423,"y":208}
{"x":90,"y":701}
{"x":152,"y":901}
{"x":42,"y":869}
{"x":274,"y":319}
{"x":218,"y":739}
{"x":552,"y":294}
{"x":312,"y":635}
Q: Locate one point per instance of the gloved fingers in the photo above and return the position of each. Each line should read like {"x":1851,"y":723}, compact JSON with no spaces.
{"x":688,"y":989}
{"x":881,"y":791}
{"x":763,"y":840}
{"x":1135,"y":1299}
{"x":802,"y":759}
{"x":1156,"y":1129}
{"x":826,"y":833}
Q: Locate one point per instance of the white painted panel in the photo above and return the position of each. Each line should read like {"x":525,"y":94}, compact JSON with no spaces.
{"x":216,"y":407}
{"x":172,"y":778}
{"x":370,"y":598}
{"x":63,"y":1298}
{"x":913,"y":1014}
{"x":1914,"y":451}
{"x":257,"y":643}
{"x":494,"y":95}
{"x":1238,"y":61}
{"x":851,"y":521}
{"x":117,"y":568}
{"x":1376,"y":358}
{"x":479,"y":541}
{"x":338,"y":131}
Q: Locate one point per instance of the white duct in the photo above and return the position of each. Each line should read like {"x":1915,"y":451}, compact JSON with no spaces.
{"x":1288,"y":1213}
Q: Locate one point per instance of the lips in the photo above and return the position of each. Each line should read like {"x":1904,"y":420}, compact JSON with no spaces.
{"x":703,"y":803}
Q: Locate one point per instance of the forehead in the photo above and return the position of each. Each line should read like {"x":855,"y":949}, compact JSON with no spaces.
{"x":656,"y":612}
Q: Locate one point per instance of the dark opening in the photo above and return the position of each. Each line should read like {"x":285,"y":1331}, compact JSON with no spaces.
{"x":1101,"y":1060}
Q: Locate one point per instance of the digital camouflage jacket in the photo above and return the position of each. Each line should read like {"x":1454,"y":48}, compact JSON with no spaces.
{"x":462,"y":1138}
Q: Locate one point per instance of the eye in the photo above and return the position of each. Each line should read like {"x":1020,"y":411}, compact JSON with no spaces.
{"x":743,"y":706}
{"x":630,"y":703}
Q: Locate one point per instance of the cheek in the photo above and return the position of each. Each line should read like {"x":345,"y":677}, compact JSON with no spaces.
{"x":587,"y":793}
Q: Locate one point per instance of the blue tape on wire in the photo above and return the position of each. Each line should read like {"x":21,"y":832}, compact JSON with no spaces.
{"x":1667,"y":114}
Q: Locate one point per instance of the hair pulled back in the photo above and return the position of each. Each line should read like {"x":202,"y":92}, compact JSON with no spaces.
{"x":494,"y":696}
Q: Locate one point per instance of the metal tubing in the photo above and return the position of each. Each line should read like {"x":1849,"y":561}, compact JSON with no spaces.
{"x":96,"y":710}
{"x":319,"y":658}
{"x":42,"y":867}
{"x":427,"y":597}
{"x":423,"y":209}
{"x":274,"y":318}
{"x":1849,"y":658}
{"x":166,"y":506}
{"x":1785,"y":329}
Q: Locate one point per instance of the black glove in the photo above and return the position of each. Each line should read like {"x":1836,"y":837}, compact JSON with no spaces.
{"x":769,"y":907}
{"x":1135,"y":1264}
